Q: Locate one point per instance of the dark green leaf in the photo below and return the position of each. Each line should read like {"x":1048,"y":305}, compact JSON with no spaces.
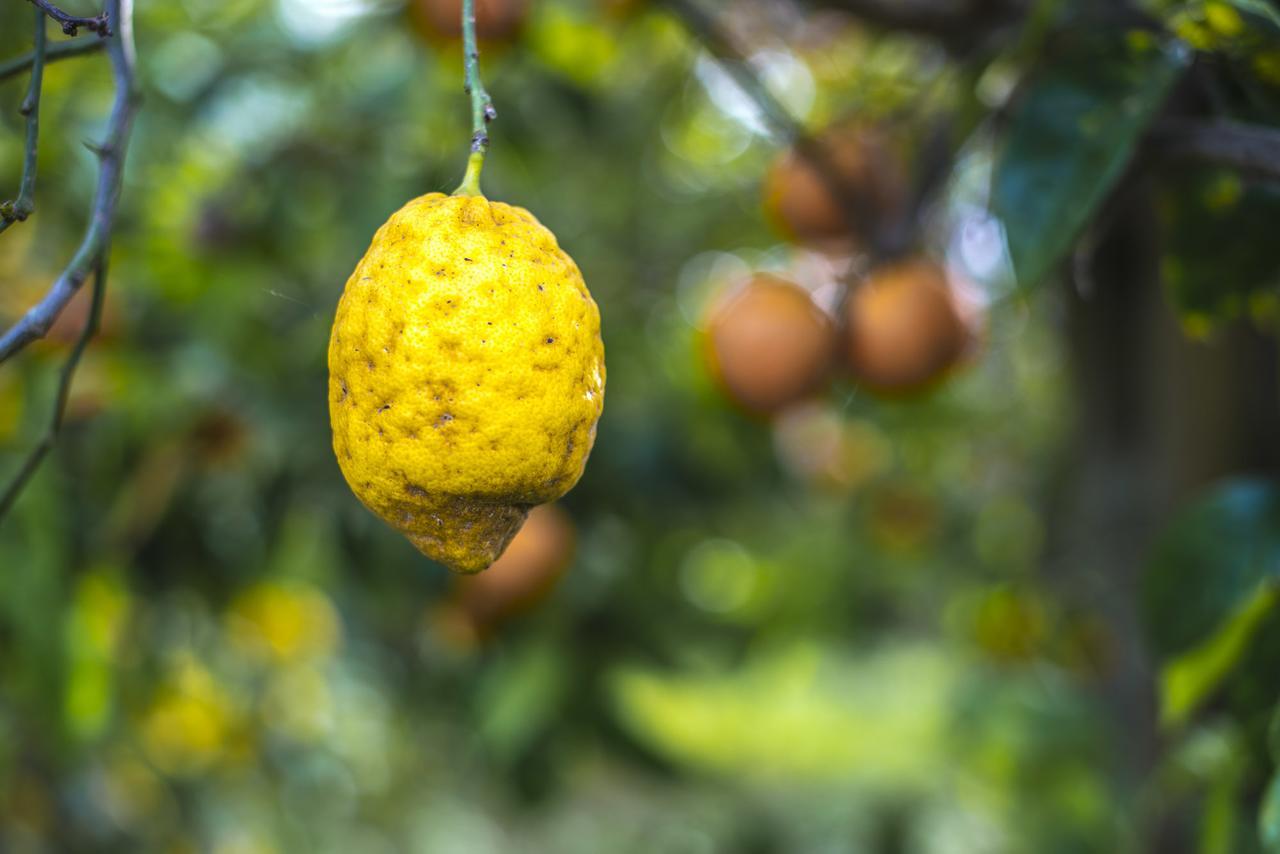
{"x":1210,"y":563}
{"x":1219,"y":251}
{"x":1069,"y":140}
{"x":1261,"y":8}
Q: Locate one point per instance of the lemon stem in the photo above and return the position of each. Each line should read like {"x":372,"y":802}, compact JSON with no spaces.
{"x":482,"y":111}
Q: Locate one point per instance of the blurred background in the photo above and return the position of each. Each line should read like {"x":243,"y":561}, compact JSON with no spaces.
{"x":932,"y":509}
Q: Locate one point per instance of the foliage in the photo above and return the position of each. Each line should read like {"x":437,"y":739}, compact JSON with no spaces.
{"x":863,"y":624}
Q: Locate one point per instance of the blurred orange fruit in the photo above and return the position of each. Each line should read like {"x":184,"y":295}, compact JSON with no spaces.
{"x":524,"y":574}
{"x":905,"y":327}
{"x":769,"y":345}
{"x":808,"y":198}
{"x":496,"y":20}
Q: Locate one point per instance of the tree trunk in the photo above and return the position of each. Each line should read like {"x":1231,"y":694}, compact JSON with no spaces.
{"x":1160,"y":417}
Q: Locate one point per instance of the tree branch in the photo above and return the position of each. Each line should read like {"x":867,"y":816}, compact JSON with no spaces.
{"x":36,"y":322}
{"x":91,"y":255}
{"x":707,"y":30}
{"x":71,"y":24}
{"x":929,"y":17}
{"x":1249,"y":148}
{"x":21,"y":207}
{"x":882,"y":238}
{"x":955,"y":23}
{"x":54,"y":427}
{"x":55,"y":52}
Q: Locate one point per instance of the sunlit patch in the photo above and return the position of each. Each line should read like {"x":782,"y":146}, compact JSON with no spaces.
{"x":318,"y":21}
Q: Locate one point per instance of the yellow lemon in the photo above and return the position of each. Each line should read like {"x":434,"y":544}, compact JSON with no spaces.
{"x":466,"y":375}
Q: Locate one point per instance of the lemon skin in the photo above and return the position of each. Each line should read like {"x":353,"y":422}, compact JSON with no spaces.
{"x":466,"y":375}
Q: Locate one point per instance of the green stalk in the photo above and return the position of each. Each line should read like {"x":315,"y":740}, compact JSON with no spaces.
{"x":482,"y":111}
{"x":21,"y":208}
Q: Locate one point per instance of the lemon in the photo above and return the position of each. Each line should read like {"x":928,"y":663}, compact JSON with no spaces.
{"x":466,"y":375}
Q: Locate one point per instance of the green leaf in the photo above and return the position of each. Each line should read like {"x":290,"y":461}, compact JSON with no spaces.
{"x":1261,"y":8}
{"x":1210,"y":563}
{"x":1222,"y":823}
{"x":1269,"y":817}
{"x":1069,"y":140}
{"x":519,"y":698}
{"x":799,"y":714}
{"x":1189,"y":679}
{"x":1220,"y":258}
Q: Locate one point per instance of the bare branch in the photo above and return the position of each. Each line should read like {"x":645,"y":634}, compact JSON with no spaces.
{"x":1248,"y":148}
{"x":955,"y":23}
{"x":36,"y":322}
{"x":21,"y":207}
{"x":54,"y":427}
{"x":55,"y":52}
{"x":882,"y":238}
{"x":930,"y":17}
{"x":91,"y":256}
{"x":707,"y":30}
{"x":71,"y":24}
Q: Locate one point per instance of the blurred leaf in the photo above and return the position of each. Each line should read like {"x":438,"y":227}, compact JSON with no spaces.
{"x":578,"y":49}
{"x":800,"y":715}
{"x":1210,"y":563}
{"x":1261,"y":8}
{"x":94,"y":622}
{"x":1220,"y":821}
{"x":1069,"y":140}
{"x":1269,"y":817}
{"x":1190,"y":678}
{"x":518,"y":699}
{"x":1220,"y":252}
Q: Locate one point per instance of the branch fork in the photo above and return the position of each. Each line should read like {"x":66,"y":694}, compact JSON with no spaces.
{"x":71,"y":24}
{"x":90,"y":258}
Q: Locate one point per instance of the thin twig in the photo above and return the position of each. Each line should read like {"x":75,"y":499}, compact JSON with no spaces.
{"x":36,"y":322}
{"x":1249,"y":148}
{"x":881,"y":238}
{"x":707,"y":30}
{"x":927,"y":17}
{"x":91,"y":255}
{"x":482,"y":111}
{"x":71,"y":24}
{"x":21,"y":207}
{"x":54,"y":427}
{"x":58,"y":50}
{"x":957,"y":24}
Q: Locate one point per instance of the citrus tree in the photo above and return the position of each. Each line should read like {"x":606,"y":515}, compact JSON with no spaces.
{"x":934,"y":506}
